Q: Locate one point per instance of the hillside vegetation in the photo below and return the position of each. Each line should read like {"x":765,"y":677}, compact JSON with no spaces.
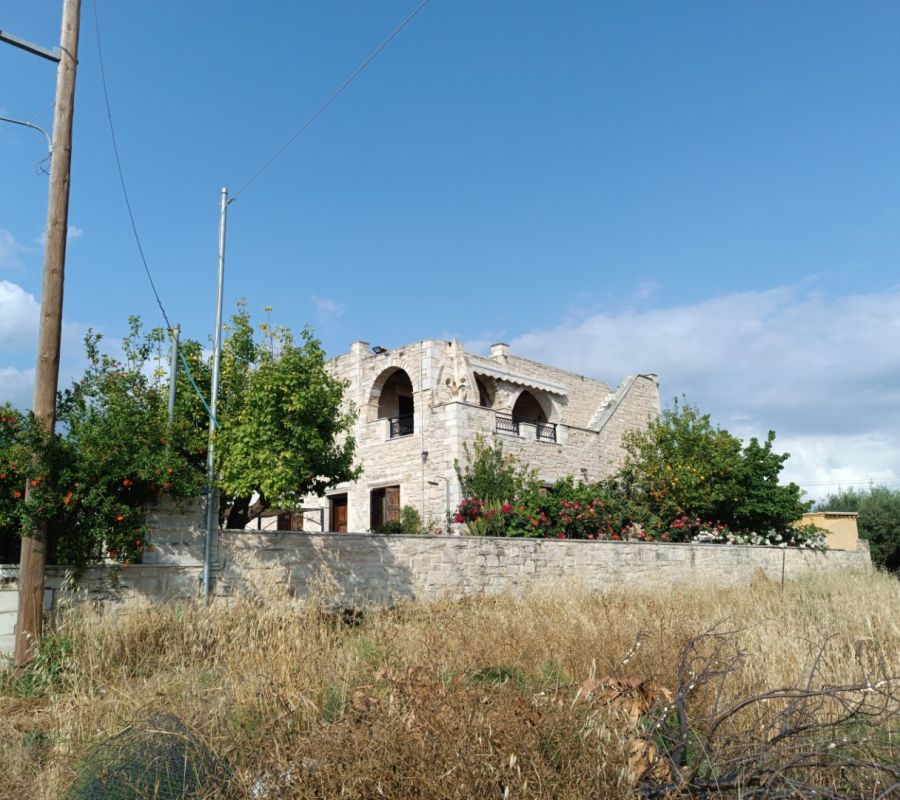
{"x":560,"y":695}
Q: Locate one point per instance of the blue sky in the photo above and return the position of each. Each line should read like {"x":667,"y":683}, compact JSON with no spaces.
{"x":704,"y":190}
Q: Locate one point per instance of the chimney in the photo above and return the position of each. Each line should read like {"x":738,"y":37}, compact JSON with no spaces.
{"x":499,"y":352}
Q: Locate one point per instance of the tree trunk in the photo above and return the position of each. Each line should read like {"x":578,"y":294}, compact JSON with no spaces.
{"x":242,"y":511}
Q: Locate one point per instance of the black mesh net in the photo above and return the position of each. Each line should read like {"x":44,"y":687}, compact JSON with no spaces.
{"x":156,"y":759}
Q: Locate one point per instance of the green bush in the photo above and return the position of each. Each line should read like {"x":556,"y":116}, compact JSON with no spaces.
{"x":494,"y":477}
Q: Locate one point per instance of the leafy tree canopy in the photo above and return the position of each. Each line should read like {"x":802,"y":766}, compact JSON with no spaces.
{"x":283,"y":434}
{"x":682,"y":465}
{"x":112,"y":456}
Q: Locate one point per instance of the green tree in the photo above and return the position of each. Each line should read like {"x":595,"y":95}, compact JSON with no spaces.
{"x":284,"y":433}
{"x":114,"y":454}
{"x":879,"y":520}
{"x":682,"y":465}
{"x":492,"y":476}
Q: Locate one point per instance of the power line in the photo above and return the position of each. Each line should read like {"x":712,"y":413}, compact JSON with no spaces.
{"x":112,"y":133}
{"x":875,"y":481}
{"x":374,"y":54}
{"x":137,"y":238}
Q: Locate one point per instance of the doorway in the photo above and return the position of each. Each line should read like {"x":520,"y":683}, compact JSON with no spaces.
{"x":338,"y":503}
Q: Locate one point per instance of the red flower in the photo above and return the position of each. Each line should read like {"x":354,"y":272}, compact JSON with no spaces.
{"x":119,"y":517}
{"x":506,"y":508}
{"x":459,"y":518}
{"x":17,"y":495}
{"x":560,"y":535}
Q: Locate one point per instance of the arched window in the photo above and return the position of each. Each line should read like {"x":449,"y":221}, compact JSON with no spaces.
{"x":528,"y":409}
{"x":395,"y":401}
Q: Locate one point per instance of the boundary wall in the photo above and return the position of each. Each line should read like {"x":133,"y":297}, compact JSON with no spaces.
{"x":358,"y":569}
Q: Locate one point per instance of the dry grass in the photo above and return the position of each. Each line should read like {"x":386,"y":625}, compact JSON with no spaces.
{"x":465,"y":699}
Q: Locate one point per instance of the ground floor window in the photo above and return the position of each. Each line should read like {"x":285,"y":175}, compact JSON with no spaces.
{"x":338,"y":503}
{"x":290,"y":521}
{"x":384,"y":507}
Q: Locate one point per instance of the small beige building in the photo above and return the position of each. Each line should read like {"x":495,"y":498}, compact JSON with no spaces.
{"x":841,"y":527}
{"x":419,"y":404}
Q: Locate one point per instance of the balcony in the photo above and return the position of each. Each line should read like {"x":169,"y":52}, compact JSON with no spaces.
{"x":402,"y":425}
{"x":543,"y":431}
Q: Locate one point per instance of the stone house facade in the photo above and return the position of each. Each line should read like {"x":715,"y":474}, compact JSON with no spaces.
{"x":419,"y":404}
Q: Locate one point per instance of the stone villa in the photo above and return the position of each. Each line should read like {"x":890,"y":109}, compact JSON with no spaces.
{"x":418,"y":404}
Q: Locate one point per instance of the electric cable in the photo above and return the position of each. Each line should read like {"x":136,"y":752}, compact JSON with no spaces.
{"x":134,"y":229}
{"x":372,"y":56}
{"x":112,"y":133}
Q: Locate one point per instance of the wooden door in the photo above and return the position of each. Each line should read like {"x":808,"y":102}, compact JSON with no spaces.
{"x":391,"y":504}
{"x":339,"y":513}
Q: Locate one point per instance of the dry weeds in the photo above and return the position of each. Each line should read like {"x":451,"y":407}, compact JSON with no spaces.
{"x":484,"y":698}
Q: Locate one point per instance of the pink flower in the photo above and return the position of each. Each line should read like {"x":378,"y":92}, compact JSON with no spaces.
{"x":560,"y":535}
{"x":506,"y":508}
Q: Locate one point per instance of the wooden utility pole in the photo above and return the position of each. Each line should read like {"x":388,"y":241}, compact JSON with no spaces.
{"x":33,"y":554}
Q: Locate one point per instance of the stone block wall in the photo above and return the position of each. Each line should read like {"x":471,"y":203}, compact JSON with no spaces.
{"x":363,"y":569}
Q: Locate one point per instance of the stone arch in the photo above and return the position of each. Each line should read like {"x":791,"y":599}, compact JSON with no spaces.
{"x":486,"y":392}
{"x":391,"y":395}
{"x":531,"y":407}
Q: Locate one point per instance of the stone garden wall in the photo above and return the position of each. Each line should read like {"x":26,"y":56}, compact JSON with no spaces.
{"x":359,"y":569}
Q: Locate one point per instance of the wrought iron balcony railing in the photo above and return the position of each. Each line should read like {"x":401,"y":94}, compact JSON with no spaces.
{"x":544,"y":431}
{"x":402,"y":425}
{"x":507,"y":424}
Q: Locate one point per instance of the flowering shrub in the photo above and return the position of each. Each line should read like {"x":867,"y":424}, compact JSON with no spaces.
{"x":600,"y":513}
{"x":808,"y":537}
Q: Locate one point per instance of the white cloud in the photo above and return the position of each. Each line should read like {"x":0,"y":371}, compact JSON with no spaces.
{"x":16,"y":386}
{"x":824,"y":373}
{"x":75,"y":232}
{"x":11,"y":251}
{"x":327,"y":309}
{"x":823,"y":464}
{"x":646,"y":290}
{"x":18,"y":317}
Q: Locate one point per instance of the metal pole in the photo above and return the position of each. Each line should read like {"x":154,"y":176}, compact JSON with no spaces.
{"x":212,"y":511}
{"x":173,"y":372}
{"x":32,"y":559}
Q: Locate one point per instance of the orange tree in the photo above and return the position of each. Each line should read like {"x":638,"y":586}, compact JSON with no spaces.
{"x":284,"y":433}
{"x":113,"y":455}
{"x":682,"y":467}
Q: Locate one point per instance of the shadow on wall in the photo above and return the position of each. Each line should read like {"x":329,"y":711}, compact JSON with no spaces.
{"x":345,"y":568}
